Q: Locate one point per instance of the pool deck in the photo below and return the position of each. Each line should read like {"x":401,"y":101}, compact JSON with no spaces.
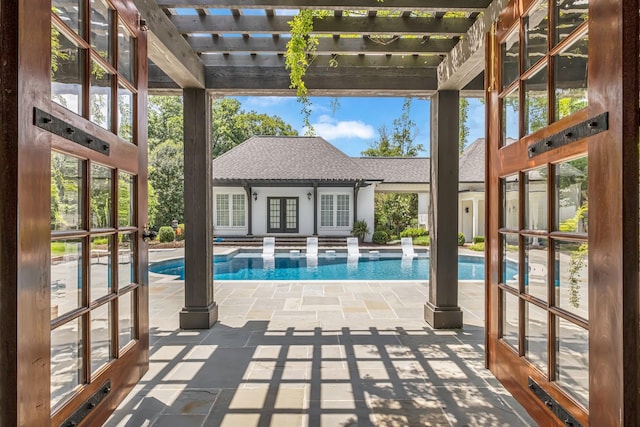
{"x":315,"y":354}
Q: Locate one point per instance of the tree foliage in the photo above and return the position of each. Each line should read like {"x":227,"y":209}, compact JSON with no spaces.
{"x":166,"y":175}
{"x":463,"y":127}
{"x":230,"y":125}
{"x":395,"y":212}
{"x":400,"y":143}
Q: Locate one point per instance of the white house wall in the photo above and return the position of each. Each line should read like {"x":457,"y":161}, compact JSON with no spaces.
{"x":366,"y":207}
{"x":423,"y":210}
{"x":305,"y":209}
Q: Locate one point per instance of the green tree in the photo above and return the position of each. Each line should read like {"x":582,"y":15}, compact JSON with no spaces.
{"x":166,"y":174}
{"x":395,"y":212}
{"x":401,"y":141}
{"x":463,"y":127}
{"x":165,"y":120}
{"x":230,"y":125}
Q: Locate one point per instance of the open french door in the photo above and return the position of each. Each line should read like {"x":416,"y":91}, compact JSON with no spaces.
{"x":99,"y":312}
{"x":562,"y":197}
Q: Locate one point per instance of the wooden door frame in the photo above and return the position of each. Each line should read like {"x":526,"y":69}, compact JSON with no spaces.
{"x":613,"y":218}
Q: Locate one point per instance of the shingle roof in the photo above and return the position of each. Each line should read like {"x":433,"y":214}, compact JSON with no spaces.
{"x":471,"y":166}
{"x":294,"y":158}
{"x":276,"y":158}
{"x":410,"y":170}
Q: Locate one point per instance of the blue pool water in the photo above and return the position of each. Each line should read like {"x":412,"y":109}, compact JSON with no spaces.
{"x":251,"y":266}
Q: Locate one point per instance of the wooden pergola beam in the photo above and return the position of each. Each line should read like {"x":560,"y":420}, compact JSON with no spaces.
{"x":193,"y":24}
{"x":323,"y":62}
{"x":168,"y":49}
{"x":356,"y":45}
{"x":399,"y":5}
{"x":466,"y":60}
{"x":341,"y":81}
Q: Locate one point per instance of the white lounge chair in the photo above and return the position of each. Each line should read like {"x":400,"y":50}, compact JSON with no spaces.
{"x":352,"y":247}
{"x":312,"y":247}
{"x":407,"y":247}
{"x":268,"y":247}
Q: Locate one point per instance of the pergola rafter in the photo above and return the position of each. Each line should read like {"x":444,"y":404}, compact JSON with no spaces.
{"x":399,"y":48}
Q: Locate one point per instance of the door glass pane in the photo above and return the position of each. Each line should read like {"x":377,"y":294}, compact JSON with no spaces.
{"x":67,"y":181}
{"x":572,"y":194}
{"x":66,"y":360}
{"x":572,"y":277}
{"x":572,"y":360}
{"x":510,"y":202}
{"x":571,"y":78}
{"x":536,"y":199}
{"x":126,"y":200}
{"x":71,"y":13}
{"x":536,"y":26}
{"x":67,"y":72}
{"x":101,"y":24}
{"x":569,"y":15}
{"x":100,"y":267}
{"x":126,"y":271}
{"x":125,"y":114}
{"x":536,"y":102}
{"x":125,"y":52}
{"x":342,"y":213}
{"x":510,"y":51}
{"x":326,"y":210}
{"x":274,"y":213}
{"x":100,"y":197}
{"x":292,"y":214}
{"x":536,"y":336}
{"x":66,"y":276}
{"x":100,"y":96}
{"x":510,"y":319}
{"x":510,"y":118}
{"x":125,"y":319}
{"x":222,"y":210}
{"x":535,"y":266}
{"x":510,"y":259}
{"x":100,"y":336}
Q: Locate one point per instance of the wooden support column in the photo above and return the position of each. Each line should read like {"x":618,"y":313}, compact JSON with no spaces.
{"x":315,"y":209}
{"x":442,"y":310}
{"x":200,"y":310}
{"x":247,"y":190}
{"x":356,"y":188}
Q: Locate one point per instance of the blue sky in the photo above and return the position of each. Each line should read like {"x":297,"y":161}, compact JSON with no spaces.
{"x":354,"y":125}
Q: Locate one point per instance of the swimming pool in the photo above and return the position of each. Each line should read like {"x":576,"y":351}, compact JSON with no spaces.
{"x":251,"y":266}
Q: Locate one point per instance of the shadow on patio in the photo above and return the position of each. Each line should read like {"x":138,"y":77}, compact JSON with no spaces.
{"x":319,"y":357}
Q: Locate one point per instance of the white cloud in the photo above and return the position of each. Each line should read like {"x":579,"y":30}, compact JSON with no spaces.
{"x":330,"y":128}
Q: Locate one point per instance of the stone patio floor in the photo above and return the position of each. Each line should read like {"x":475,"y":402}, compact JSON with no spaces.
{"x":316,"y":354}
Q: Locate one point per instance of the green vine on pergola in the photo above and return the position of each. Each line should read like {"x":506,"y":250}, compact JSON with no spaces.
{"x":302,"y":48}
{"x":301,"y":51}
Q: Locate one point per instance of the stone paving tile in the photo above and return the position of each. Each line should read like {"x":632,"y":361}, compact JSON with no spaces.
{"x":315,"y":354}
